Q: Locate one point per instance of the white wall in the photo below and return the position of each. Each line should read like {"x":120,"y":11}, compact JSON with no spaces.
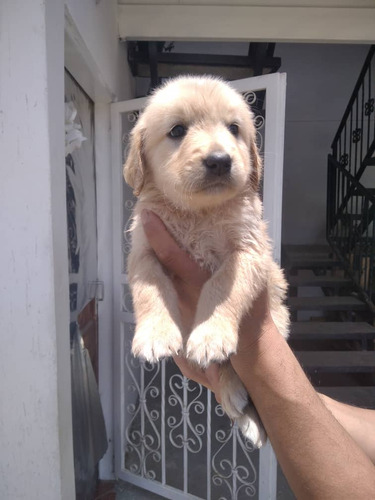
{"x":320,"y":80}
{"x":35,"y":411}
{"x":95,"y":28}
{"x":36,"y":454}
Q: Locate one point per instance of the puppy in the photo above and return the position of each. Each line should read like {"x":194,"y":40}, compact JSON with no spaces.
{"x":193,"y":160}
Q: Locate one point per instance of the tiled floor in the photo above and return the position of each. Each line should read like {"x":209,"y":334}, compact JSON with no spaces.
{"x":119,"y":490}
{"x":106,"y":490}
{"x":128,"y":491}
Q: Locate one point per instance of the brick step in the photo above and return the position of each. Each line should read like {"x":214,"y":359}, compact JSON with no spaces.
{"x":332,"y":330}
{"x":337,"y":361}
{"x":334,"y":303}
{"x":358,"y":396}
{"x":321,"y":281}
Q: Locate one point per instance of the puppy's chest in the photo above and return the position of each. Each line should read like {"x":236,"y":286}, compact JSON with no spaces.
{"x":208,"y":242}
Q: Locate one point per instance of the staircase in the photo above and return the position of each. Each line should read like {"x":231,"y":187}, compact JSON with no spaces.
{"x":351,"y":186}
{"x":332,"y":329}
{"x":335,"y":348}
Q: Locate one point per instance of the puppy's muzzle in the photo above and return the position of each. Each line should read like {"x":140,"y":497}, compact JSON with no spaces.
{"x":218,"y":163}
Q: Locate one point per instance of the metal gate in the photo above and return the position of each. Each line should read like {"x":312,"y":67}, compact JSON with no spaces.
{"x":171,"y":436}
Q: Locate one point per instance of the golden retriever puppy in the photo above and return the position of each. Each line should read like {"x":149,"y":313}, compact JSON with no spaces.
{"x":193,"y":160}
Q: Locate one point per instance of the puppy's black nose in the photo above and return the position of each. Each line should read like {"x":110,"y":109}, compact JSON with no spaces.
{"x":218,"y":163}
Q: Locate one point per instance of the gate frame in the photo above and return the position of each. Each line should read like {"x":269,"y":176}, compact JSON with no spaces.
{"x":275,"y":86}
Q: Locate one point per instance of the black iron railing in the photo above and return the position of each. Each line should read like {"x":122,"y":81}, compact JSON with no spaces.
{"x":350,"y":191}
{"x":354,"y":142}
{"x":351,"y":233}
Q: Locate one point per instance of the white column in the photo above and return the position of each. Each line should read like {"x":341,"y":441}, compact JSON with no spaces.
{"x":36,"y":455}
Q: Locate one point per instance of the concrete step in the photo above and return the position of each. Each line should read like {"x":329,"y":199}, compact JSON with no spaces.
{"x":337,"y":361}
{"x":301,"y":249}
{"x":334,"y":303}
{"x":311,"y":261}
{"x":363,"y":397}
{"x":321,"y":281}
{"x":309,"y":257}
{"x":332,"y":330}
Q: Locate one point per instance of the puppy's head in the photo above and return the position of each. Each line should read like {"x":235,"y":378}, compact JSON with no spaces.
{"x":195,"y":143}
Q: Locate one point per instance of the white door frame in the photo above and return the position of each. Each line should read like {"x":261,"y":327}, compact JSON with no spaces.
{"x":275,"y":86}
{"x":81,"y":64}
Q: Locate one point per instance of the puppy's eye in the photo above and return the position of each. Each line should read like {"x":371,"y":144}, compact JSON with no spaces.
{"x":177,"y":132}
{"x":233,"y":129}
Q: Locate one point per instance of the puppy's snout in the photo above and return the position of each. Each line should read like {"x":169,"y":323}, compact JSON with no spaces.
{"x":218,"y":163}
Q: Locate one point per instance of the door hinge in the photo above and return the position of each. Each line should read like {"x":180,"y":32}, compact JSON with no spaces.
{"x":96,"y":290}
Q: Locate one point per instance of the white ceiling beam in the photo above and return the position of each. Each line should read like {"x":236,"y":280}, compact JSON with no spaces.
{"x":257,"y":3}
{"x":243,"y":23}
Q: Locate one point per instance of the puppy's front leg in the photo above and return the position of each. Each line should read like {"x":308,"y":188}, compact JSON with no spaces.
{"x":157,"y":332}
{"x":224,"y":299}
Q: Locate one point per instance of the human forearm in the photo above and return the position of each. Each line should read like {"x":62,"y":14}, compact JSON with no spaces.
{"x":358,"y":422}
{"x":318,"y":457}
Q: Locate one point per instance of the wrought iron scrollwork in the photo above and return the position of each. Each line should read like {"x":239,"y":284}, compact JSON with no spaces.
{"x":255,"y":101}
{"x":142,"y":436}
{"x":179,"y":434}
{"x":126,"y":247}
{"x":344,"y":160}
{"x":133,"y":116}
{"x":369,"y":107}
{"x":250,"y":97}
{"x":357,"y":134}
{"x":237,"y":476}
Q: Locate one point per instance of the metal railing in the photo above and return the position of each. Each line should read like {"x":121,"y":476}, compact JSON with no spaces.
{"x":351,"y":230}
{"x":354,"y":143}
{"x":350,"y":204}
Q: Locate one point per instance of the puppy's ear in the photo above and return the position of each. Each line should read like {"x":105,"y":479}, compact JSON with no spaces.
{"x":134,"y":167}
{"x":256,"y":163}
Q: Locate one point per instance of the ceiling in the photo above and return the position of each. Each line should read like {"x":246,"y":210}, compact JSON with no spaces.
{"x":322,"y":21}
{"x":258,"y":3}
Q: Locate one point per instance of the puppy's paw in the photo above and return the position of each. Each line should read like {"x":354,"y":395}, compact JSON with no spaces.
{"x":234,"y":398}
{"x":251,"y":427}
{"x":156,"y":340}
{"x":211,"y":341}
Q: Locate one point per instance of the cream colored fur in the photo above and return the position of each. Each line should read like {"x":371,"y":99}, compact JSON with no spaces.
{"x":217,"y":220}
